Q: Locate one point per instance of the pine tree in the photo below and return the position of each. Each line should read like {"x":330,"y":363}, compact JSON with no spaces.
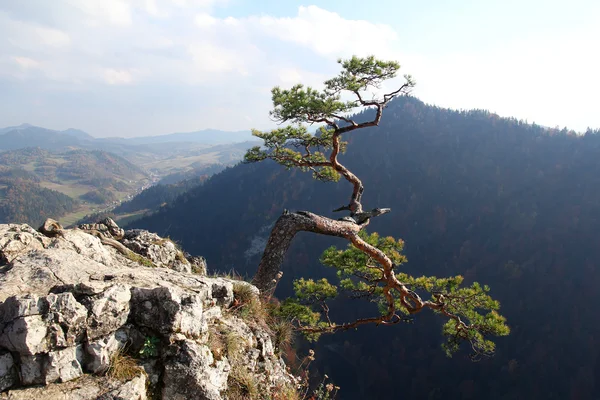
{"x":370,"y":268}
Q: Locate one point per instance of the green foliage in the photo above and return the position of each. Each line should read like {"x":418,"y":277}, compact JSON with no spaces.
{"x":150,"y":347}
{"x":292,"y":310}
{"x":471,"y":311}
{"x":358,"y":74}
{"x":293,"y":146}
{"x":302,"y":104}
{"x":310,"y":291}
{"x":283,"y":145}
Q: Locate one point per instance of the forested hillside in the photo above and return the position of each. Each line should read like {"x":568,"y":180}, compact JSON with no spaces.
{"x":37,"y":183}
{"x":25,"y":202}
{"x":502,"y":202}
{"x":155,"y":196}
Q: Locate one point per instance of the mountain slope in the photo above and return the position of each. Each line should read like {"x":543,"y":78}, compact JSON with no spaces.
{"x":502,"y":202}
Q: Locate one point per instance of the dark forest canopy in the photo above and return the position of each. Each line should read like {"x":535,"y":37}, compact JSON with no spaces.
{"x":501,"y":201}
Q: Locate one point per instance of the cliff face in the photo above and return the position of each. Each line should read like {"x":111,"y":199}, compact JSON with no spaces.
{"x":99,"y":313}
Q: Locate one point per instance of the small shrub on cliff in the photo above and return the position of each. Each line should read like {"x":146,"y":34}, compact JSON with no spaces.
{"x":150,"y":347}
{"x":265,"y":313}
{"x":283,"y":333}
{"x":242,"y":385}
{"x":248,"y":306}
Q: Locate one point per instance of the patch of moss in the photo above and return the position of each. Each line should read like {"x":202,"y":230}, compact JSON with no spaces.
{"x":140,"y":259}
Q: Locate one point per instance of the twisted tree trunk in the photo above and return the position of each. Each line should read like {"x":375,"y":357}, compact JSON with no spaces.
{"x":281,"y":237}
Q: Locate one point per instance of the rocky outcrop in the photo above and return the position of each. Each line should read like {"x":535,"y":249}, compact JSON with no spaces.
{"x":86,"y":320}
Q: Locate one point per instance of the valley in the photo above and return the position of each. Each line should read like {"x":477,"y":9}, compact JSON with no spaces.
{"x":97,"y":175}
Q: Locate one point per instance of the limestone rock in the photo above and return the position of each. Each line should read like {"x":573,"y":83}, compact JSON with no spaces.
{"x":32,"y":325}
{"x":162,"y":252}
{"x":8,"y":371}
{"x":198,"y":264}
{"x":25,"y":335}
{"x":194,"y":370}
{"x":134,"y":389}
{"x":32,"y":369}
{"x":108,"y":310}
{"x":167,"y":310}
{"x":98,"y":352}
{"x":70,"y":304}
{"x":89,"y":387}
{"x":18,"y":239}
{"x":63,"y":365}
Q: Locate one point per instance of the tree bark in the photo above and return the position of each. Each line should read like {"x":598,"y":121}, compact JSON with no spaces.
{"x":281,"y":237}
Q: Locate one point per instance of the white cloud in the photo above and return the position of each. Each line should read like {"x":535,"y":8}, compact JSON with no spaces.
{"x":52,"y":37}
{"x":196,"y":3}
{"x":118,"y":77}
{"x":329,"y":34}
{"x":289,"y":76}
{"x":26,"y":62}
{"x":116,"y":12}
{"x":205,"y":20}
{"x":210,"y":58}
{"x":188,"y":52}
{"x":153,"y":10}
{"x":30,"y":36}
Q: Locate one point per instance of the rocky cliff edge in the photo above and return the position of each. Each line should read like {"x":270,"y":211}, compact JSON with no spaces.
{"x":101,"y":313}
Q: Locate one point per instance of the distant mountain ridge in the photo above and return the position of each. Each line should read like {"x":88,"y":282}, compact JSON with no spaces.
{"x":24,"y":135}
{"x":206,"y":136}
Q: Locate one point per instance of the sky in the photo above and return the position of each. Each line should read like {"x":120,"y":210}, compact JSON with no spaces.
{"x":147,"y":67}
